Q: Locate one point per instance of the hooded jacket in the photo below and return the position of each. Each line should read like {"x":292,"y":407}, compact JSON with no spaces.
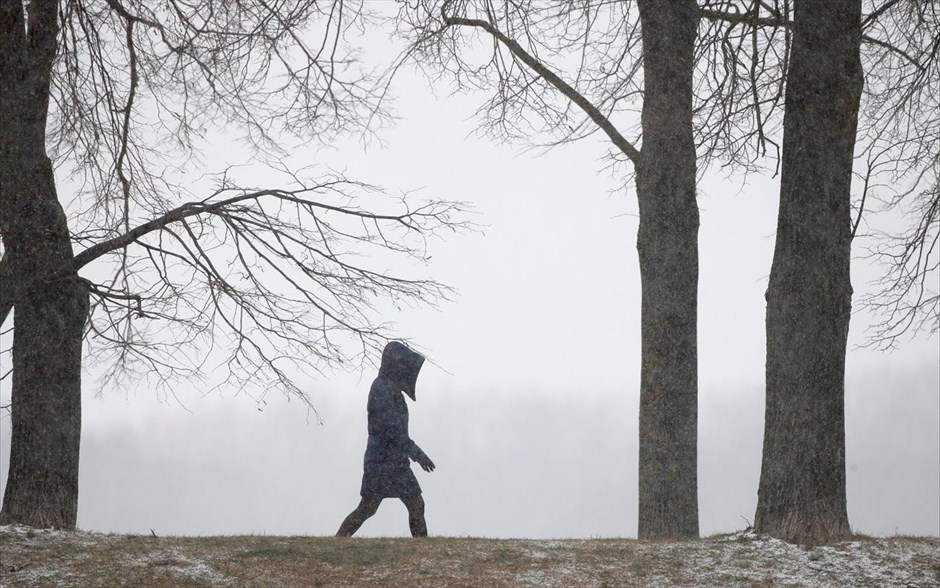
{"x":386,"y":471}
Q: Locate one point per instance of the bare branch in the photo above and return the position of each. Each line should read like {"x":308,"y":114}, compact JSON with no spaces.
{"x":893,"y":49}
{"x":556,"y":72}
{"x":275,"y":269}
{"x":273,"y":282}
{"x":595,"y":115}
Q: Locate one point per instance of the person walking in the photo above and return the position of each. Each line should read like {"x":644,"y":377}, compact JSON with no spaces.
{"x":386,"y":471}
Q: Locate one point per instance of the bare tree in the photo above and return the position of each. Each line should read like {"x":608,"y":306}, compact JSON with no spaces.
{"x":566,"y":70}
{"x":809,"y":296}
{"x":273,"y":276}
{"x":802,"y":492}
{"x":563,"y":71}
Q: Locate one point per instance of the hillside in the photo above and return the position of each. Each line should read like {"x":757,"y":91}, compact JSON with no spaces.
{"x":30,"y":557}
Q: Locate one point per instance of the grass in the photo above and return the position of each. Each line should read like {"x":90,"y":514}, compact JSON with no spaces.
{"x":49,"y":558}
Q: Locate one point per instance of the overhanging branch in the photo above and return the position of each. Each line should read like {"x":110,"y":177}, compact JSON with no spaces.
{"x":622,"y":143}
{"x":754,"y":20}
{"x":192,"y":209}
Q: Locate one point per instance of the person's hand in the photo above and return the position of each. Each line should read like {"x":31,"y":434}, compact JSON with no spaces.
{"x":425,"y":462}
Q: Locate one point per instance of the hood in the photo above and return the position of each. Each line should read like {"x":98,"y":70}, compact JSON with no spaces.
{"x":401,"y":365}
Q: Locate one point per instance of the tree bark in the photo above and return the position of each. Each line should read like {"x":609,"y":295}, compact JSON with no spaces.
{"x":667,"y":242}
{"x":51,"y":301}
{"x":801,"y":497}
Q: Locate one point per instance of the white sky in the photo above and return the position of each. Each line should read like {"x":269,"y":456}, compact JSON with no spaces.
{"x":533,"y":425}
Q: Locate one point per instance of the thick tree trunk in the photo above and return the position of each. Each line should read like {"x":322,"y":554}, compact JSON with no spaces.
{"x":51,"y":302}
{"x":802,"y":484}
{"x":667,"y":242}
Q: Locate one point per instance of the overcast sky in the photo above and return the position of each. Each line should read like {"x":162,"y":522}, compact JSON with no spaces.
{"x":530,"y":407}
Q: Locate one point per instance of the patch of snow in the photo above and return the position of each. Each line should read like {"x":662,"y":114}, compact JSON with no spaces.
{"x":43,"y":575}
{"x":175,"y":562}
{"x":34,"y":535}
{"x":764,"y":559}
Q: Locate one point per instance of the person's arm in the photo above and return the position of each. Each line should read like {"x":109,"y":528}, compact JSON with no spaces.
{"x":413,"y":450}
{"x":390,"y":422}
{"x":417,"y":455}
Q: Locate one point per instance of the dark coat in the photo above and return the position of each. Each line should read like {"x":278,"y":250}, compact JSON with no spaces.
{"x":386,"y":471}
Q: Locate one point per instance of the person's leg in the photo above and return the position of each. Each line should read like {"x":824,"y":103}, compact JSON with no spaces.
{"x":367,"y":507}
{"x":415,"y":506}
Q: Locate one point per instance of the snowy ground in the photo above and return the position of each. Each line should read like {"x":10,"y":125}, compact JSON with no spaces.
{"x":32,"y":557}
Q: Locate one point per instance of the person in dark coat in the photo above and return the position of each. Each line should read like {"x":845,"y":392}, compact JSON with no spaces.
{"x":386,"y":471}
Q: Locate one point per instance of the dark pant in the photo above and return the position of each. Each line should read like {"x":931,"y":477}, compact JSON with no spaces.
{"x":369,"y":504}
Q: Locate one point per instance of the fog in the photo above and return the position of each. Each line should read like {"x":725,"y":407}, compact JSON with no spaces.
{"x":511,"y":463}
{"x":529,"y":405}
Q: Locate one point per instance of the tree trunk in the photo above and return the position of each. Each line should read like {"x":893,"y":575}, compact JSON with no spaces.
{"x":667,"y":242}
{"x":801,"y":497}
{"x":51,"y":302}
